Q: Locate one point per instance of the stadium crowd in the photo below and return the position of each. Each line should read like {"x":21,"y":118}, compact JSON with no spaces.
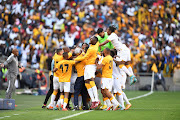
{"x":151,"y":28}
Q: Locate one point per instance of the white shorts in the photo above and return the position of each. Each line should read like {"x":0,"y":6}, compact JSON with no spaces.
{"x":98,"y":82}
{"x":117,"y":85}
{"x":65,"y":86}
{"x":73,"y":80}
{"x":89,"y":72}
{"x":106,"y":83}
{"x":124,"y":55}
{"x":55,"y":83}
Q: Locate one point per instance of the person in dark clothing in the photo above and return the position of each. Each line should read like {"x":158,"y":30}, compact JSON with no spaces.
{"x":159,"y":80}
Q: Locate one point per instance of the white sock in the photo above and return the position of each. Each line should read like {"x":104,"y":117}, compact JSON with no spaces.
{"x":72,"y":100}
{"x":114,"y":101}
{"x":79,"y":101}
{"x":108,"y":102}
{"x":120,"y":100}
{"x":61,"y":101}
{"x":124,"y":68}
{"x":64,"y":105}
{"x":130,"y":70}
{"x":95,"y":93}
{"x":52,"y":99}
{"x":90,"y":92}
{"x":125,"y":98}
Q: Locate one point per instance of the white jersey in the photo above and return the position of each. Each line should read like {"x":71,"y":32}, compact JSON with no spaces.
{"x":115,"y":71}
{"x":115,"y":41}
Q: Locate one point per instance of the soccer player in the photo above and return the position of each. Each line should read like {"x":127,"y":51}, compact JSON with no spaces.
{"x":56,"y":58}
{"x":64,"y":70}
{"x":102,"y":36}
{"x":121,"y":51}
{"x":90,"y":69}
{"x":80,"y":87}
{"x":107,"y":69}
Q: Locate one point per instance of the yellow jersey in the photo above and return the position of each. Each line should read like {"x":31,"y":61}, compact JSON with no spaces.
{"x":58,"y":58}
{"x":91,"y":55}
{"x":107,"y":68}
{"x":80,"y":66}
{"x":65,"y":70}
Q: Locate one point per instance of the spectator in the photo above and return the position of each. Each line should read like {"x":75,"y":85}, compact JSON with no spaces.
{"x":159,"y":80}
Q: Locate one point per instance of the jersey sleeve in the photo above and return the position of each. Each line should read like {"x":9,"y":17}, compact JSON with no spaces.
{"x":87,"y":55}
{"x":69,"y":55}
{"x":72,"y":62}
{"x":104,"y":61}
{"x":110,"y":38}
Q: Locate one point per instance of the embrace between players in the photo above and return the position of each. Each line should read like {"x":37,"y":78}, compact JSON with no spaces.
{"x":106,"y":71}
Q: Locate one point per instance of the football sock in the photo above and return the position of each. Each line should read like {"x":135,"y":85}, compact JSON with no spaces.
{"x":79,"y":100}
{"x":120,"y":99}
{"x":108,"y":101}
{"x":59,"y":102}
{"x":104,"y":100}
{"x":53,"y":97}
{"x":130,"y":69}
{"x":94,"y":88}
{"x":90,"y":91}
{"x":125,"y":69}
{"x":61,"y":99}
{"x":125,"y":98}
{"x":114,"y":101}
{"x":65,"y":102}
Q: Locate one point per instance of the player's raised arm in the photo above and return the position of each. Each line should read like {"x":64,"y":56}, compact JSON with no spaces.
{"x":105,"y":42}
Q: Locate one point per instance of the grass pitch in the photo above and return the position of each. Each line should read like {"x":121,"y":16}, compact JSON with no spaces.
{"x":158,"y":106}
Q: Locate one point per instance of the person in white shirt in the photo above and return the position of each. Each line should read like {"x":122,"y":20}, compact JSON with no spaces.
{"x":122,"y":52}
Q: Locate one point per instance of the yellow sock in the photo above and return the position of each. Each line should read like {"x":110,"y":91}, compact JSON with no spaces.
{"x":120,"y":66}
{"x":111,"y":98}
{"x":92,"y":83}
{"x":55,"y":93}
{"x":88,"y":86}
{"x":106,"y":98}
{"x":79,"y":95}
{"x":66,"y":100}
{"x":128,"y":66}
{"x":115,"y":94}
{"x":118,"y":93}
{"x":62,"y":97}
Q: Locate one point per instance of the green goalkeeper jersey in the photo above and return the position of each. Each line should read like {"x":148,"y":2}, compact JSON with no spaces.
{"x":101,"y":40}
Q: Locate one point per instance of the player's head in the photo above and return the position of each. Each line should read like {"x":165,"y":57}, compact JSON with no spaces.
{"x":66,"y":49}
{"x":112,"y":53}
{"x":59,"y":51}
{"x":85,"y":49}
{"x":15,"y":52}
{"x":65,"y":55}
{"x":106,"y":51}
{"x":100,"y":32}
{"x":93,"y":40}
{"x":111,"y":29}
{"x":84,"y":45}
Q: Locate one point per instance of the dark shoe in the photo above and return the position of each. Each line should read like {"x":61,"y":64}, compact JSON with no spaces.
{"x":76,"y":108}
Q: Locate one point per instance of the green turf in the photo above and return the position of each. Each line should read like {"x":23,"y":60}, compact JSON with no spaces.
{"x":158,"y":106}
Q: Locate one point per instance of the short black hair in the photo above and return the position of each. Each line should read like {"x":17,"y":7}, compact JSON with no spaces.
{"x":65,"y":55}
{"x":112,"y":28}
{"x":112,"y":53}
{"x":99,"y":30}
{"x":58,"y":50}
{"x":108,"y":50}
{"x":86,"y":48}
{"x":85,"y":44}
{"x":96,"y":38}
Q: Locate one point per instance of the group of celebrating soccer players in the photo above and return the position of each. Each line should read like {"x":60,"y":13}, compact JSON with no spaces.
{"x":78,"y":74}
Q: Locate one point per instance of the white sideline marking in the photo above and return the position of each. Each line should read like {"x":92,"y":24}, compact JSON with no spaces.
{"x":1,"y":117}
{"x":70,"y":116}
{"x":16,"y":114}
{"x":147,"y":94}
{"x":77,"y":114}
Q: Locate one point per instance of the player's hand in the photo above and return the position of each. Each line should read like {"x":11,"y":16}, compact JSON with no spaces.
{"x":2,"y":65}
